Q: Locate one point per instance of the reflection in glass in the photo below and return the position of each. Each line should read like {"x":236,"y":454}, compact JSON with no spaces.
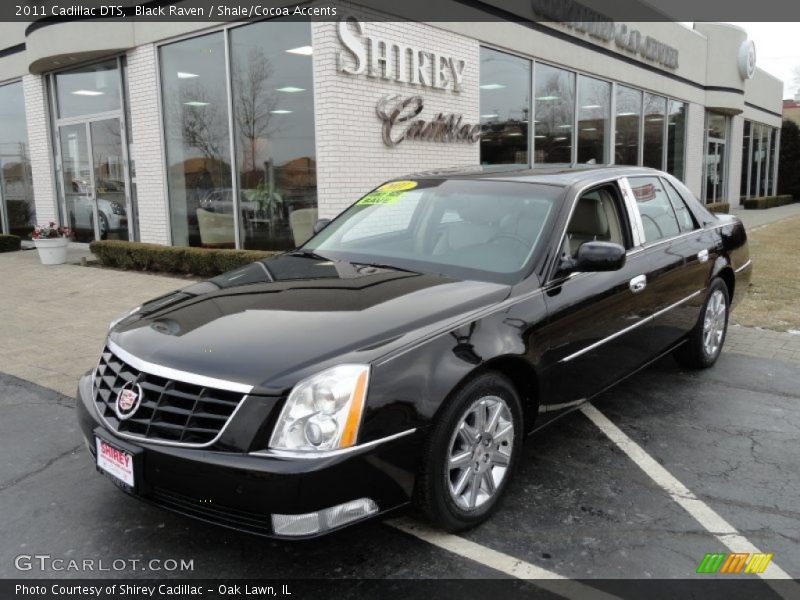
{"x":554,"y":114}
{"x":773,"y":147}
{"x":16,"y":190}
{"x":716,"y":138}
{"x":755,"y":159}
{"x":88,"y":90}
{"x":273,"y":116}
{"x":505,"y":104}
{"x":77,"y":180}
{"x":676,"y":133}
{"x":715,"y":171}
{"x":746,"y":136}
{"x":109,"y":179}
{"x":629,"y":111}
{"x":763,"y":178}
{"x":594,"y":115}
{"x":197,"y":142}
{"x":654,"y":110}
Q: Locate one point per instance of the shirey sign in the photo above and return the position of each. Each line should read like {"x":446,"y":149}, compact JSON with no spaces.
{"x":402,"y":63}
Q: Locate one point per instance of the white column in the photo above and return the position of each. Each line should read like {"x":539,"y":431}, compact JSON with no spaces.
{"x":41,"y":148}
{"x":147,"y":145}
{"x":695,"y":148}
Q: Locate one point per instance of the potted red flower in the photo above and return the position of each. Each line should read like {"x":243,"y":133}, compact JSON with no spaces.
{"x":51,"y":242}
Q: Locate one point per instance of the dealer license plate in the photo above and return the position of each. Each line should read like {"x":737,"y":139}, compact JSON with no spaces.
{"x":115,"y":462}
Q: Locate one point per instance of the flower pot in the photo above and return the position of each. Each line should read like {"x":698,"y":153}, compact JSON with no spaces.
{"x":52,"y":251}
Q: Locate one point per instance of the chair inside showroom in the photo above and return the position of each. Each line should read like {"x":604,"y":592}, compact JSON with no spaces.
{"x":594,"y":219}
{"x":216,"y":229}
{"x":302,"y":223}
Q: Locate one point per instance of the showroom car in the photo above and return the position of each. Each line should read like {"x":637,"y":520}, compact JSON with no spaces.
{"x":404,"y":352}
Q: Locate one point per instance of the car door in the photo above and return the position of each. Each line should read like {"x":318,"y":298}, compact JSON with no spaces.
{"x":594,"y":333}
{"x":673,"y":254}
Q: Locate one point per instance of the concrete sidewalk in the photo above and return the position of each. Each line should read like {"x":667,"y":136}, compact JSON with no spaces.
{"x":53,"y":320}
{"x":758,"y":218}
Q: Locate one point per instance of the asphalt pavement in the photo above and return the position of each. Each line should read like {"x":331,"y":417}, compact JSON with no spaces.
{"x":578,"y":507}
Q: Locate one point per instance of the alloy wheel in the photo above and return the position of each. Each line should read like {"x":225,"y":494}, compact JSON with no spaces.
{"x":480,"y":452}
{"x":714,"y":323}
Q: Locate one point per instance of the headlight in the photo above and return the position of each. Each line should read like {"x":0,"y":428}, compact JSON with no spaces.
{"x":125,"y":316}
{"x":323,"y":412}
{"x":117,"y":208}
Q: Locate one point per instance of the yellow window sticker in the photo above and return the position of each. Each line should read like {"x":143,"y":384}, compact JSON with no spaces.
{"x":388,"y":193}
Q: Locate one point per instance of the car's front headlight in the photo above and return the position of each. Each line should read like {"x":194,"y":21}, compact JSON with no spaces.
{"x":323,"y":412}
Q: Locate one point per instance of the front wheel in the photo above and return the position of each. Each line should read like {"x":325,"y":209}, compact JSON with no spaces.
{"x":704,"y":345}
{"x":471,"y":453}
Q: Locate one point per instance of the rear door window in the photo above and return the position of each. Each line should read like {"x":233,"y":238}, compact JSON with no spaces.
{"x":658,"y":216}
{"x":685,"y":218}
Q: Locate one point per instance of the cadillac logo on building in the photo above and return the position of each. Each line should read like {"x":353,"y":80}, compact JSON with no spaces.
{"x":396,"y":111}
{"x":128,"y":400}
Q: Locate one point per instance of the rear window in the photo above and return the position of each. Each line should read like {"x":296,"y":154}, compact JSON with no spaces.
{"x":658,"y":216}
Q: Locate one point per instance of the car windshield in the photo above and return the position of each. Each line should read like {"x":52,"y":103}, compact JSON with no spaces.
{"x":469,"y":229}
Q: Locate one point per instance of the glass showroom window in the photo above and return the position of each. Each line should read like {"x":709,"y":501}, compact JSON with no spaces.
{"x":629,"y":114}
{"x":594,"y":117}
{"x":17,"y":211}
{"x":88,"y":90}
{"x":746,"y":149}
{"x":273,"y":120}
{"x":554,"y":114}
{"x":505,"y":106}
{"x":653,"y":150}
{"x":676,"y":134}
{"x":197,"y":138}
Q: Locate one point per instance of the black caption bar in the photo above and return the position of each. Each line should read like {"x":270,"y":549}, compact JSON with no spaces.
{"x":585,"y":11}
{"x":392,"y":589}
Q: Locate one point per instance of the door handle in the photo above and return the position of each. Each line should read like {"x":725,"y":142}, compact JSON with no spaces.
{"x":702,"y":256}
{"x":638,"y":283}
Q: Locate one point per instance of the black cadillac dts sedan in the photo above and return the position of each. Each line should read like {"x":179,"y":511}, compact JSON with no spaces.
{"x":403,"y":353}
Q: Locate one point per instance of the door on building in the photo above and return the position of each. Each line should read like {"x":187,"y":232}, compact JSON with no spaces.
{"x":93,"y":179}
{"x":715,"y":171}
{"x":715,"y":182}
{"x":92,"y":152}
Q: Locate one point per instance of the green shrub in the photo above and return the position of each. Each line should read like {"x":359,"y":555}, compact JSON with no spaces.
{"x":202,"y":262}
{"x":10,"y":243}
{"x":719,"y":207}
{"x":767,"y":202}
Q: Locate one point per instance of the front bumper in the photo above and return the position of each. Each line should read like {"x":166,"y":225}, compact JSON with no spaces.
{"x":242,"y":491}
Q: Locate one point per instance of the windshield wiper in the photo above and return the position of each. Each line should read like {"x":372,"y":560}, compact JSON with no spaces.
{"x":307,"y":254}
{"x":383,"y":266}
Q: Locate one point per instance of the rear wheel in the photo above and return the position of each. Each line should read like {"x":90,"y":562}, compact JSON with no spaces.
{"x":704,"y":345}
{"x":471,"y":454}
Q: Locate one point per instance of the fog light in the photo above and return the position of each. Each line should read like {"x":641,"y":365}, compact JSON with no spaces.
{"x":329,"y":518}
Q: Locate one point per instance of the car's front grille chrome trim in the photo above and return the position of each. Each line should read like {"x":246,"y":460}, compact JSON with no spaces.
{"x":172,"y":412}
{"x":177,"y":374}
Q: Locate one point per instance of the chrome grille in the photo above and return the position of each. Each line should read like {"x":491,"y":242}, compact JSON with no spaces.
{"x":170,"y":411}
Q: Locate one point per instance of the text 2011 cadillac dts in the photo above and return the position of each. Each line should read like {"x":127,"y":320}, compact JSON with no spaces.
{"x":403,"y":353}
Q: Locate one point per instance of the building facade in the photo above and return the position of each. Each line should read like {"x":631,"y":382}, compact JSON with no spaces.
{"x":243,"y":134}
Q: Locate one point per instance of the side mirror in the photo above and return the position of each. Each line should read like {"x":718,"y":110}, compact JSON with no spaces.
{"x":320,"y":225}
{"x":596,"y":256}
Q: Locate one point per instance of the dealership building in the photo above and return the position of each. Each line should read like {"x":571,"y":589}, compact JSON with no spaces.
{"x":243,"y":134}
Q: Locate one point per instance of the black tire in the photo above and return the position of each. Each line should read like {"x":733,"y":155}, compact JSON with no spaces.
{"x":103,"y":227}
{"x":695,"y":354}
{"x":433,"y":494}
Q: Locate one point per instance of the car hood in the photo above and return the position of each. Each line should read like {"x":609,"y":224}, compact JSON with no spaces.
{"x":276,"y":321}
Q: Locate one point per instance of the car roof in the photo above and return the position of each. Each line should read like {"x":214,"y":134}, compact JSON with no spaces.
{"x":560,"y":176}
